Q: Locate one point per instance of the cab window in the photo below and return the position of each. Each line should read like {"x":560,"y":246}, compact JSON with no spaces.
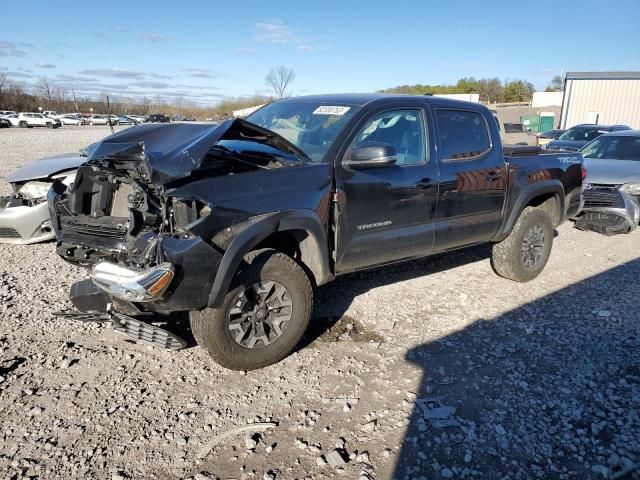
{"x":403,"y":129}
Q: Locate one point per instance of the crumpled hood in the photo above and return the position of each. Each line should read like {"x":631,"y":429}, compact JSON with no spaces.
{"x":611,"y":172}
{"x":175,"y":150}
{"x":46,"y":167}
{"x":572,"y":145}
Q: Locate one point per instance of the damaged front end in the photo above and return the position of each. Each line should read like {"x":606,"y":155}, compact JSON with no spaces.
{"x":24,"y":215}
{"x":152,"y":241}
{"x":608,"y":211}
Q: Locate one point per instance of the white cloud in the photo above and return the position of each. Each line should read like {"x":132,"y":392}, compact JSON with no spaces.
{"x":112,"y":72}
{"x":44,"y":65}
{"x":9,"y":49}
{"x":274,"y":31}
{"x":201,"y":73}
{"x":245,"y":50}
{"x":305,"y":48}
{"x":154,"y":37}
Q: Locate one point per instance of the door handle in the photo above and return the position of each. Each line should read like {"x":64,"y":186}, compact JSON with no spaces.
{"x":493,"y":176}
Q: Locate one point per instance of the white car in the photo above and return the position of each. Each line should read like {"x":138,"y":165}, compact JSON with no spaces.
{"x":71,"y":119}
{"x":28,"y":119}
{"x":50,"y":114}
{"x":6,"y":113}
{"x":13,"y":118}
{"x":99,"y":120}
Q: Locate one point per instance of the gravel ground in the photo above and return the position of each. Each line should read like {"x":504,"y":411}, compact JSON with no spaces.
{"x":431,"y":369}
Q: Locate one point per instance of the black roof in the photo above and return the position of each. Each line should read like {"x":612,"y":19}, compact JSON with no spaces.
{"x":361,"y":99}
{"x":603,"y":76}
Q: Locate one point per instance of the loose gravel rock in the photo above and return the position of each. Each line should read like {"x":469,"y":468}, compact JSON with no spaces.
{"x":538,"y":381}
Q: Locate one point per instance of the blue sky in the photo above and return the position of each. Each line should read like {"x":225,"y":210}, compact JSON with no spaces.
{"x":205,"y":51}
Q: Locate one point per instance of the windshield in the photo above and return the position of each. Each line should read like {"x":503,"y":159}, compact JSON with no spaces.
{"x":614,"y":148}
{"x":312,"y":127}
{"x":584,"y":134}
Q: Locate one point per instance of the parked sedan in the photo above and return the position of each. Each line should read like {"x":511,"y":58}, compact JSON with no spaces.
{"x":577,"y":137}
{"x":71,"y":119}
{"x":24,"y":215}
{"x":100,"y":120}
{"x":544,"y":138}
{"x":612,"y":188}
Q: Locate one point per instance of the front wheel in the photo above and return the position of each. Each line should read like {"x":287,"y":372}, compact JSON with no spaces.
{"x":49,"y":125}
{"x":524,"y":253}
{"x":263,"y":316}
{"x":23,"y":124}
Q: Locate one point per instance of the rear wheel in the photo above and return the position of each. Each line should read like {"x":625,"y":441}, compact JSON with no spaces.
{"x":263,"y":316}
{"x":524,"y":253}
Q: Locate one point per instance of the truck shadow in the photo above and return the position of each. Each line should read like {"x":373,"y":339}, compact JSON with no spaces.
{"x":541,"y":391}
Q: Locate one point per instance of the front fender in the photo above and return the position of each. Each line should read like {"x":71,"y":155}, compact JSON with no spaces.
{"x":314,"y":249}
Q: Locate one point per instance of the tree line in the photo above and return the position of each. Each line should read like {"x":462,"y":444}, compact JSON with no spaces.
{"x":491,"y":90}
{"x":50,"y":95}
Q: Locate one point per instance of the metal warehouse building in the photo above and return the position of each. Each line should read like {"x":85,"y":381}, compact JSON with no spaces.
{"x":606,"y":98}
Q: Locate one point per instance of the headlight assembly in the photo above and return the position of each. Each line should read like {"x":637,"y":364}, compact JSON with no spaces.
{"x":631,"y":188}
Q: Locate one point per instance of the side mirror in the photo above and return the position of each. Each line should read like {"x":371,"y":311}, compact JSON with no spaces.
{"x":371,"y":155}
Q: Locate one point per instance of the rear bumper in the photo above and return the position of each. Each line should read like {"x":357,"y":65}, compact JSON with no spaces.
{"x":25,"y":225}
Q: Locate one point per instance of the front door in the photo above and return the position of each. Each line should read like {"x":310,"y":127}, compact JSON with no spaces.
{"x":386,"y":213}
{"x":473,"y":179}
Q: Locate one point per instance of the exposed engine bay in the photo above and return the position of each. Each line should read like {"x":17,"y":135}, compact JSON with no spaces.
{"x":139,"y":210}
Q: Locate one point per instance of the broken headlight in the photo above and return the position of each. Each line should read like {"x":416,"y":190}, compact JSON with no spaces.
{"x":631,"y":188}
{"x":34,"y":190}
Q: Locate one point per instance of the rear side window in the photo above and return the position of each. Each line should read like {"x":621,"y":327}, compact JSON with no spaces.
{"x":463,"y":134}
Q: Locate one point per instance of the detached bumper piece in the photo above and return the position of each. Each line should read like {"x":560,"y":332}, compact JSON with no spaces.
{"x":132,"y":328}
{"x":94,"y":305}
{"x":146,"y":333}
{"x":604,"y":223}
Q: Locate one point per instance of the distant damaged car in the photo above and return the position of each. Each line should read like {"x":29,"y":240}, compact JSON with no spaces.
{"x":24,"y":215}
{"x":612,"y":188}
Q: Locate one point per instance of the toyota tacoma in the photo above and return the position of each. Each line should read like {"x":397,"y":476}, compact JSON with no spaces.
{"x":238,"y":223}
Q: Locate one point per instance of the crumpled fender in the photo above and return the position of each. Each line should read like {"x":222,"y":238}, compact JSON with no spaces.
{"x":314,"y":248}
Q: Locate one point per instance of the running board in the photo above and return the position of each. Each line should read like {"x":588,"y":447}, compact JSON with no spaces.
{"x":132,"y":328}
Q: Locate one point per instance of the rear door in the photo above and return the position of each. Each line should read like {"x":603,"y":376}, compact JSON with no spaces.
{"x":386,"y":213}
{"x":472,"y":178}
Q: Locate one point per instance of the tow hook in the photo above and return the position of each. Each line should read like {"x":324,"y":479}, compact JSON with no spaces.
{"x":131,"y":327}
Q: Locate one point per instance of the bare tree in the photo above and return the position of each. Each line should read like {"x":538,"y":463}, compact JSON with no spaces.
{"x":279,"y":79}
{"x":46,"y":88}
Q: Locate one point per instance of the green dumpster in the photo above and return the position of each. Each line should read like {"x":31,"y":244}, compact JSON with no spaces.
{"x":530,"y":123}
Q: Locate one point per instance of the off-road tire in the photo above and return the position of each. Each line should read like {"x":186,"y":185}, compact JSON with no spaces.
{"x":23,"y":124}
{"x":506,"y":256}
{"x":210,"y":326}
{"x":49,"y":125}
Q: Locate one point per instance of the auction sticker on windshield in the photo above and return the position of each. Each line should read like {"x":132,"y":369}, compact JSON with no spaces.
{"x":331,"y":110}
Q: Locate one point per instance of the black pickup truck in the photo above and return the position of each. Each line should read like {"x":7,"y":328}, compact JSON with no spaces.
{"x":238,"y":223}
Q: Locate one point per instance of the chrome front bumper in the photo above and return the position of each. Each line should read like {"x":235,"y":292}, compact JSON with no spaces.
{"x":133,"y":285}
{"x":25,"y":225}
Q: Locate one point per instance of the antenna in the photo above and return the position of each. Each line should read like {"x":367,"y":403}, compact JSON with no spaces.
{"x":109,"y":116}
